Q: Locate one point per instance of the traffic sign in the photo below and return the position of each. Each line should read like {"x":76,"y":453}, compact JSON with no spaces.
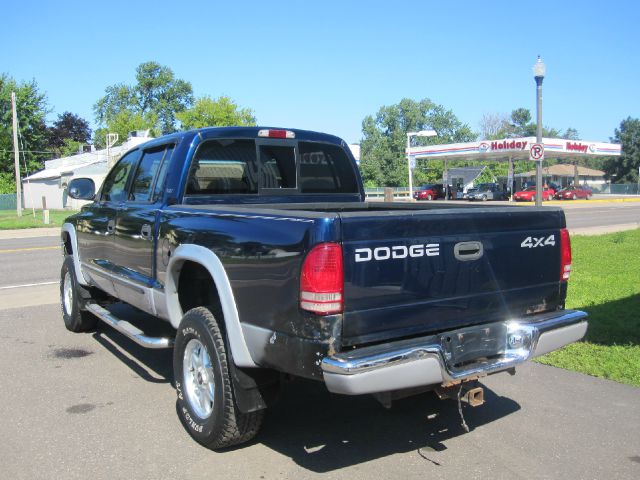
{"x":536,"y":152}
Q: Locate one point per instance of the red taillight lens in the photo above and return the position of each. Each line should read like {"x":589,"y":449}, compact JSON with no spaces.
{"x":565,"y":255}
{"x":322,"y":280}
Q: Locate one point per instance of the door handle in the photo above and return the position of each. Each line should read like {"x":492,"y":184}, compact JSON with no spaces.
{"x":145,"y":232}
{"x":465,"y":251}
{"x":111,"y":226}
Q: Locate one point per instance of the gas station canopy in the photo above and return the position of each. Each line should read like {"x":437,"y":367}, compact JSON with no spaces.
{"x":515,"y":149}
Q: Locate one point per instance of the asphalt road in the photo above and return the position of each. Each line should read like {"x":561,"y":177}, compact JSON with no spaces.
{"x":581,"y":215}
{"x":98,"y":406}
{"x":78,"y":406}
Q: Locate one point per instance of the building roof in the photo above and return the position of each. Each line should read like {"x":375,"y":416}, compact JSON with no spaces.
{"x":565,"y":170}
{"x":67,"y":165}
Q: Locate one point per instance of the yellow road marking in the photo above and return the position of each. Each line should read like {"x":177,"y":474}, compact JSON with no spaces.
{"x":29,"y":249}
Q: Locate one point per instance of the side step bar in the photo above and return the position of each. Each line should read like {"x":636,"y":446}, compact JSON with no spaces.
{"x":128,"y":329}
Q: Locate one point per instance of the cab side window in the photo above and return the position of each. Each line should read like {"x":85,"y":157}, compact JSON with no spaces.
{"x":149,"y":177}
{"x":114,"y":188}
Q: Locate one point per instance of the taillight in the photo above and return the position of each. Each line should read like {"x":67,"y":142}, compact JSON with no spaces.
{"x":272,"y":133}
{"x":565,"y":255}
{"x":321,"y":280}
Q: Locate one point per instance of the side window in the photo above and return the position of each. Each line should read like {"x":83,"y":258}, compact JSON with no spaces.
{"x":278,"y":167}
{"x":150,"y":172}
{"x":162,"y":175}
{"x":224,"y":166}
{"x":115,"y":185}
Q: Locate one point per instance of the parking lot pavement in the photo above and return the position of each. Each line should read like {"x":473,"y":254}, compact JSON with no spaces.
{"x":98,"y":406}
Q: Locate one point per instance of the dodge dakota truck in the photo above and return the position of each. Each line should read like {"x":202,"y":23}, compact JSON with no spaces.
{"x":257,"y":246}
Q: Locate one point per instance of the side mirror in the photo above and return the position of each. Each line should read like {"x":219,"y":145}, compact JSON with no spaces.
{"x":82,"y":189}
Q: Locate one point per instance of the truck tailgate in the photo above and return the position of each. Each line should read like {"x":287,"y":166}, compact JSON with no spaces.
{"x":414,"y":272}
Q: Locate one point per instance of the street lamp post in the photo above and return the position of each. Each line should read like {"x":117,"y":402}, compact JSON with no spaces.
{"x":421,"y":133}
{"x":539,"y":70}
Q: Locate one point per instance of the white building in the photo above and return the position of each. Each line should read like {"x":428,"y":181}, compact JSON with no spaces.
{"x":51,"y":183}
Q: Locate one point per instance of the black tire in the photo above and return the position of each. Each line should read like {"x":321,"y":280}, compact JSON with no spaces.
{"x":225,"y":425}
{"x":72,"y":300}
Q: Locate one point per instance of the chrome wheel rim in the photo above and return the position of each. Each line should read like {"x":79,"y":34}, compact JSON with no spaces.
{"x":67,"y":294}
{"x":198,"y":378}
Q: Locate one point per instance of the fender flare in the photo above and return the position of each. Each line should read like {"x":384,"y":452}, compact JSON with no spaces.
{"x":70,"y":230}
{"x":210,"y":261}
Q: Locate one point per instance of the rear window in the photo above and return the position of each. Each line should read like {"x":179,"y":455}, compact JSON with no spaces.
{"x":325,"y":169}
{"x":223,"y":167}
{"x":230,"y":166}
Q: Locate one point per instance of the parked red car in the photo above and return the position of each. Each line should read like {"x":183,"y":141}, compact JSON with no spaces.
{"x":429,"y":192}
{"x":529,"y":194}
{"x":573,"y":193}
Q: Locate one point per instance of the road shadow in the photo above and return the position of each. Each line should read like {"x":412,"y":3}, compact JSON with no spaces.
{"x":320,"y":431}
{"x":616,"y":322}
{"x":154,"y":366}
{"x":323,"y":432}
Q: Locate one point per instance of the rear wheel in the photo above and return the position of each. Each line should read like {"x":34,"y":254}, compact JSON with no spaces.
{"x":484,"y":198}
{"x":72,"y":300}
{"x":429,"y":197}
{"x":206,"y":400}
{"x":575,"y":197}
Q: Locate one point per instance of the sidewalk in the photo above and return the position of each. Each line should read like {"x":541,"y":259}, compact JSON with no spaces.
{"x":30,"y":233}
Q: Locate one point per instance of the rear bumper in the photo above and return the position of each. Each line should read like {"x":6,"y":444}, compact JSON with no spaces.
{"x":432,"y":360}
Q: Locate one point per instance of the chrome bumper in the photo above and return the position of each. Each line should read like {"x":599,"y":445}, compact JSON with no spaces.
{"x":451,"y":356}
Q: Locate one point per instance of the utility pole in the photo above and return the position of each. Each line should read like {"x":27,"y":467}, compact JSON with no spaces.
{"x":16,"y":156}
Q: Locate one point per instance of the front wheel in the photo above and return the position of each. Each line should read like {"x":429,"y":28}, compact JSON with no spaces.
{"x":575,"y":197}
{"x":429,"y":197}
{"x":206,"y":401}
{"x":484,"y":198}
{"x":72,"y":299}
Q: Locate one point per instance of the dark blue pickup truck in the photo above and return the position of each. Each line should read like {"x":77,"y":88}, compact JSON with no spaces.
{"x":258,"y":247}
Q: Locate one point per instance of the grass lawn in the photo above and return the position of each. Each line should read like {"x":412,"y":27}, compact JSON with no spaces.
{"x":605,"y":282}
{"x":9,"y":220}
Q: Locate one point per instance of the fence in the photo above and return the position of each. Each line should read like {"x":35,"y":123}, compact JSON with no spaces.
{"x":8,"y":201}
{"x":618,"y":189}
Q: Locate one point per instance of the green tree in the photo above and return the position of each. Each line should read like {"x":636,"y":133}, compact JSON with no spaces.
{"x":520,"y":124}
{"x":124,"y":122}
{"x":157,"y":94}
{"x":219,"y":112}
{"x":624,"y":169}
{"x":32,"y":109}
{"x":384,"y":139}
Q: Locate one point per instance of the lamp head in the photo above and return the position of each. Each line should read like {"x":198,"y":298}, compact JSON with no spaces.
{"x":539,"y":68}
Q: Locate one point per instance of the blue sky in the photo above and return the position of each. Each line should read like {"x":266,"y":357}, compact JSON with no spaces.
{"x":326,"y":65}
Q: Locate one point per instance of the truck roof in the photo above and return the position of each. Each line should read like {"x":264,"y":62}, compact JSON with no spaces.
{"x":247,"y":132}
